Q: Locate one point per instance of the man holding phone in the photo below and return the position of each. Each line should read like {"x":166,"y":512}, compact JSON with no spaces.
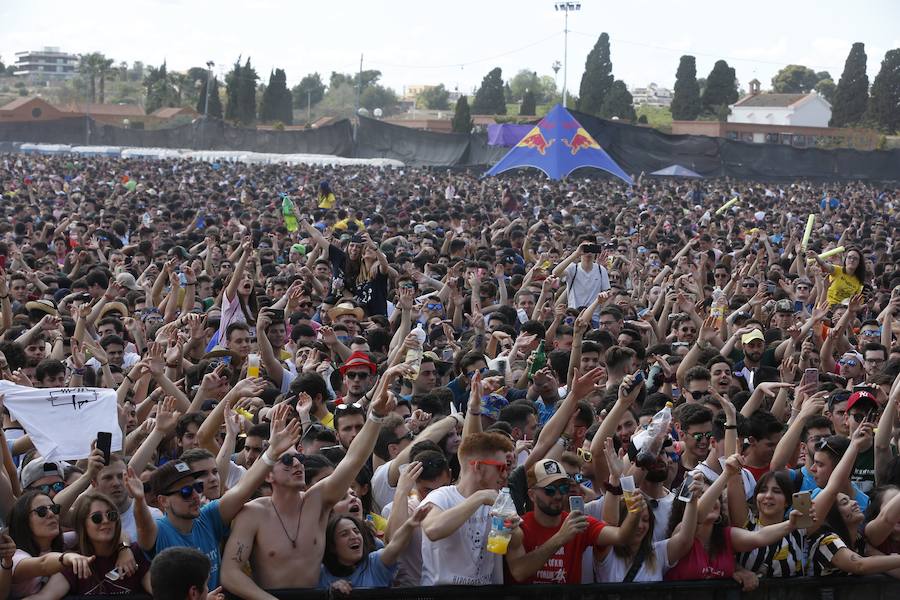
{"x":584,"y":276}
{"x":549,"y":543}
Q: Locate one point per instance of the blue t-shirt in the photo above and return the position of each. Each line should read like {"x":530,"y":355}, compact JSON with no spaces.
{"x":370,"y":573}
{"x":861,"y":498}
{"x":206,"y":535}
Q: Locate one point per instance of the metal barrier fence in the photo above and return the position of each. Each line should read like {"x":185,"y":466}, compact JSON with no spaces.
{"x":799,"y":588}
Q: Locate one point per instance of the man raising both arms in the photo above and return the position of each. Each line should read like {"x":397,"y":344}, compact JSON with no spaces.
{"x":267,"y":533}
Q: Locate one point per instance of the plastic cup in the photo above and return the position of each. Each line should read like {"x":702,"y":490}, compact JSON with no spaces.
{"x":632,"y":501}
{"x":253,"y":365}
{"x":497,"y":542}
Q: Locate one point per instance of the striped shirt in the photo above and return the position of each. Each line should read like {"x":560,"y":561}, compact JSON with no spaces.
{"x":784,"y":558}
{"x":822,"y":551}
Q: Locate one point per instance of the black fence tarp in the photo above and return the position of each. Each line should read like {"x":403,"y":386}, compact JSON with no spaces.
{"x":634,"y":148}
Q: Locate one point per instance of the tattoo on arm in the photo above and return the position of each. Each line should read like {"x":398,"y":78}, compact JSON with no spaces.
{"x":239,"y":553}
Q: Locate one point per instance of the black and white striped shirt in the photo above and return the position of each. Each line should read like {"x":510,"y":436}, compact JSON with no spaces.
{"x":784,"y":558}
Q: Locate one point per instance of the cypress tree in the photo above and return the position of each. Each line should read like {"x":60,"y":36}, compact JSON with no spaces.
{"x":618,"y":103}
{"x":247,"y":94}
{"x":215,"y":102}
{"x":598,"y":79}
{"x":232,"y":84}
{"x":852,"y":93}
{"x":884,"y":105}
{"x":528,"y":104}
{"x":490,"y":98}
{"x":721,"y":88}
{"x":462,"y":119}
{"x":686,"y":98}
{"x":276,"y":100}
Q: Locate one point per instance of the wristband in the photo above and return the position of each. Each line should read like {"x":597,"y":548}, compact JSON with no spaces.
{"x":78,"y":371}
{"x":4,"y":298}
{"x":122,"y":546}
{"x":376,"y":419}
{"x":61,"y":556}
{"x":730,"y":427}
{"x":472,"y":412}
{"x":128,"y":377}
{"x":615,"y":490}
{"x":265,"y":458}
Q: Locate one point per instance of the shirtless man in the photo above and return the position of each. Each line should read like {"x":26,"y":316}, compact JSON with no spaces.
{"x":265,"y":534}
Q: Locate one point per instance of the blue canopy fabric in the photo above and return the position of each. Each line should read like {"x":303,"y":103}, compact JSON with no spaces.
{"x":676,"y":171}
{"x":557,"y":146}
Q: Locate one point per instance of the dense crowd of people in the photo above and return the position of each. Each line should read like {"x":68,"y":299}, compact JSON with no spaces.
{"x":325,"y":377}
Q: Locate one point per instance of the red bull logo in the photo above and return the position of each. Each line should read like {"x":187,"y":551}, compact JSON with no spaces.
{"x":581,"y":139}
{"x":535,"y":139}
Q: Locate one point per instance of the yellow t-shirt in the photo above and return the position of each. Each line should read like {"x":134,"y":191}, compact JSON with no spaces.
{"x":327,"y":201}
{"x":843,"y":286}
{"x":328,"y":421}
{"x":344,"y":223}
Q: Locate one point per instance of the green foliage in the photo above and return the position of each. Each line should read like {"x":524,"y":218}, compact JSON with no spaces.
{"x":884,"y":105}
{"x":618,"y":103}
{"x":462,"y":119}
{"x":378,"y":96}
{"x":598,"y":79}
{"x":795,"y":79}
{"x":159,"y":90}
{"x":232,"y":80}
{"x":686,"y":98}
{"x":338,"y":101}
{"x":642,"y":119}
{"x":658,"y":117}
{"x":435,"y":98}
{"x":277,"y":103}
{"x":247,"y":94}
{"x":852,"y":93}
{"x":215,"y":102}
{"x":826,"y":88}
{"x":721,"y":89}
{"x":489,"y":99}
{"x":528,"y":104}
{"x":95,"y":67}
{"x":311,"y":89}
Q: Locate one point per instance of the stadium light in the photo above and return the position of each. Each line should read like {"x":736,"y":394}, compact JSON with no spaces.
{"x":566,"y":7}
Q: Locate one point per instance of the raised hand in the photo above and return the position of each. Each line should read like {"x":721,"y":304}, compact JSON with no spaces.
{"x":166,"y":416}
{"x":409,"y":476}
{"x":584,"y":385}
{"x":284,"y":433}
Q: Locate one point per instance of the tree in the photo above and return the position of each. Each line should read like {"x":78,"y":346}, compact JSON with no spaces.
{"x":215,"y":103}
{"x":159,"y":90}
{"x":2,"y":68}
{"x":826,"y":89}
{"x":852,"y":93}
{"x":721,"y":88}
{"x":598,"y":79}
{"x":277,"y":103}
{"x":522,"y":81}
{"x":89,"y":68}
{"x":137,"y":71}
{"x":884,"y":105}
{"x":247,"y":94}
{"x":489,"y":99}
{"x":310,"y":89}
{"x":618,"y":103}
{"x":462,"y":119}
{"x":528,"y":105}
{"x":435,"y":97}
{"x":795,"y":79}
{"x":378,"y":96}
{"x":686,"y":97}
{"x":232,"y":81}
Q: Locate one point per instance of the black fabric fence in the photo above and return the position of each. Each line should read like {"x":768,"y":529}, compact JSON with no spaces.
{"x":634,"y":148}
{"x":800,"y":588}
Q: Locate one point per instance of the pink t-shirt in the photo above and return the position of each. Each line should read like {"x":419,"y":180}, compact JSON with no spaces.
{"x":699,"y":565}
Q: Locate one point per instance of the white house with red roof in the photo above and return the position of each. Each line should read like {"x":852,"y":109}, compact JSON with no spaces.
{"x":800,"y":110}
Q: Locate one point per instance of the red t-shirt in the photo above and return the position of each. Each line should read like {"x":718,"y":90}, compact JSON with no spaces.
{"x":565,"y":565}
{"x":699,"y":565}
{"x":757,"y":472}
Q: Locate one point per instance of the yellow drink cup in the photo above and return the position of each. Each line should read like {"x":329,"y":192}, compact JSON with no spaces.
{"x":498,"y":542}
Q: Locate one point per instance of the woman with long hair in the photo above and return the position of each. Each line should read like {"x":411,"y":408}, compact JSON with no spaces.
{"x":351,"y":560}
{"x":712,"y":555}
{"x":99,"y":532}
{"x":239,"y":302}
{"x":846,"y":280}
{"x":34,"y":527}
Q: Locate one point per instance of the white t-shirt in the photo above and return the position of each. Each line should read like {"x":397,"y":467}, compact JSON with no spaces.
{"x":583,"y":286}
{"x":746,"y":476}
{"x":382,"y":492}
{"x":462,"y":557}
{"x":129,"y":359}
{"x":409,"y":565}
{"x":613,"y":568}
{"x":129,"y":526}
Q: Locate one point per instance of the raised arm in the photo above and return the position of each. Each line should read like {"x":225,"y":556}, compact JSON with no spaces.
{"x":682,"y":540}
{"x":883,"y":454}
{"x":146,"y":526}
{"x":442,"y":523}
{"x":823,"y":502}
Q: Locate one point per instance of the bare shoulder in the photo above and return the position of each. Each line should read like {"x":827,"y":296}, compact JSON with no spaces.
{"x":254,"y":511}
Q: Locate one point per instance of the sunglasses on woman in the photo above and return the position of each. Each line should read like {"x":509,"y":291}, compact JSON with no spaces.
{"x":187,"y":491}
{"x":50,"y":487}
{"x":111,"y":515}
{"x":43,"y":511}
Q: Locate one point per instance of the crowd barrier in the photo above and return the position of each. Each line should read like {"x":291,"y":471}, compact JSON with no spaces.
{"x":635,"y":149}
{"x":798,"y":588}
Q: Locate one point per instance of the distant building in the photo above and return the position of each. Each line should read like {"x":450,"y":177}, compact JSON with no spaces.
{"x":802,"y":110}
{"x":23,"y":110}
{"x":48,"y":63}
{"x":411,"y":92}
{"x":652,"y":95}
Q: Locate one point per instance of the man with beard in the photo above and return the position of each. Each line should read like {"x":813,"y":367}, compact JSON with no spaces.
{"x":549,"y":544}
{"x":358,"y":372}
{"x":111,"y":481}
{"x":267,"y":532}
{"x":694,"y":424}
{"x":753,"y":344}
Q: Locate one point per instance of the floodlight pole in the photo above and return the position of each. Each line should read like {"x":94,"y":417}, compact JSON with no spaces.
{"x":566,"y":7}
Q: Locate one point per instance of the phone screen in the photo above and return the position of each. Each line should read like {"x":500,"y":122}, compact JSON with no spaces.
{"x":104,"y":444}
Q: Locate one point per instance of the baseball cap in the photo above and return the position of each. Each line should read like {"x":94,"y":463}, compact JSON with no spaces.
{"x":545,"y":472}
{"x":756,"y":334}
{"x":38,"y":469}
{"x":784,"y":306}
{"x":492,"y":404}
{"x":169,"y":474}
{"x":299,"y":249}
{"x":358,"y":359}
{"x":127,"y":280}
{"x":861,"y":396}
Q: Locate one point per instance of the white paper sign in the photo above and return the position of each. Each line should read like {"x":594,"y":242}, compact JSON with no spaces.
{"x":62,"y":422}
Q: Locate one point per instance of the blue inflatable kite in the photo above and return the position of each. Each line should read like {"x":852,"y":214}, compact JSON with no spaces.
{"x":557,"y":146}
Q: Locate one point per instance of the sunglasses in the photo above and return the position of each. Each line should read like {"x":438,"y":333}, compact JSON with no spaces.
{"x":288,"y":459}
{"x":701,"y":435}
{"x":862,"y":417}
{"x":43,"y":511}
{"x":560,"y":488}
{"x":585,"y":455}
{"x":500,"y":466}
{"x":111,"y":515}
{"x":822,"y":445}
{"x":849,"y":362}
{"x":50,"y":487}
{"x":407,"y":436}
{"x":356,"y":375}
{"x":871,"y":333}
{"x":346,"y":407}
{"x":434,"y":306}
{"x":187,"y":491}
{"x":471,"y":374}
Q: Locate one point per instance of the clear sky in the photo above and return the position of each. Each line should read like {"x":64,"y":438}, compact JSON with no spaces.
{"x":457,"y":42}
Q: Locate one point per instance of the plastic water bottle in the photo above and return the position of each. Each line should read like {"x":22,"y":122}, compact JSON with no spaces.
{"x":717,"y":311}
{"x":503,"y":517}
{"x":650,"y":440}
{"x":287,"y":209}
{"x":414,"y":355}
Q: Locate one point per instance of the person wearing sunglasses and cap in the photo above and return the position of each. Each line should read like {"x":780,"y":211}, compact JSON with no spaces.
{"x":284,"y":534}
{"x":548,"y":545}
{"x":177,"y":490}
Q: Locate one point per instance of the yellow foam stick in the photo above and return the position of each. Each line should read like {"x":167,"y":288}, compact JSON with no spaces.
{"x":809,"y":225}
{"x":727,"y":205}
{"x":831,"y":252}
{"x":244,"y":413}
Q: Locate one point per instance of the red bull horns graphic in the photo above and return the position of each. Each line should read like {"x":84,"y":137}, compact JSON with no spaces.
{"x":535,"y":139}
{"x":581,"y":139}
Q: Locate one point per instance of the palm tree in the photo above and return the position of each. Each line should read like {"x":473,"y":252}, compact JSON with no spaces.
{"x":88,"y":66}
{"x":103,"y":70}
